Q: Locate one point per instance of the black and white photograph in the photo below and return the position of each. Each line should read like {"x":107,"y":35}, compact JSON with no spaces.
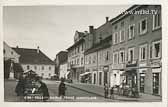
{"x":82,"y":53}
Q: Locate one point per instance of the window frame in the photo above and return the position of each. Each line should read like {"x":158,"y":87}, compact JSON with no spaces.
{"x":153,"y":51}
{"x":123,"y":35}
{"x":140,"y":27}
{"x":129,"y":49}
{"x":129,"y":31}
{"x":115,"y":62}
{"x":114,"y":34}
{"x":156,"y":27}
{"x":140,"y":52}
{"x":121,"y":51}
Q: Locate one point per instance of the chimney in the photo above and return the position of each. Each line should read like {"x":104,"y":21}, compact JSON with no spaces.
{"x":107,"y":19}
{"x":38,"y":50}
{"x":17,"y":46}
{"x":91,"y":29}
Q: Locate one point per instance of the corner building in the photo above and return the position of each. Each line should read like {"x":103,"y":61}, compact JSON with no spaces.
{"x":136,"y":48}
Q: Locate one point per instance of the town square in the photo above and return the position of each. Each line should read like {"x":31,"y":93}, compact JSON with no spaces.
{"x":83,"y":53}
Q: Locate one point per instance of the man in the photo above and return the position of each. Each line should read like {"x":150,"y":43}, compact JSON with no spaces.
{"x":106,"y":91}
{"x":61,"y":89}
{"x":42,"y":89}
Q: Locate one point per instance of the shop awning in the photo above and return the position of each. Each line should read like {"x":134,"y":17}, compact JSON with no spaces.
{"x":67,"y":73}
{"x":86,"y":73}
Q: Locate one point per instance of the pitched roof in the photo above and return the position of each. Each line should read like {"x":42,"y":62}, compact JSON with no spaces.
{"x":62,"y":56}
{"x":105,"y":43}
{"x":30,"y":56}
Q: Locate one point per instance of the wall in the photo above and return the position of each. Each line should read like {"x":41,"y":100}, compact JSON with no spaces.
{"x":46,"y":72}
{"x":10,"y":53}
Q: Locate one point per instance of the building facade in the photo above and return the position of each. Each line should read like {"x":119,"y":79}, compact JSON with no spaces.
{"x":63,"y":70}
{"x":98,"y":54}
{"x":137,"y":49}
{"x":36,"y":60}
{"x":76,"y":56}
{"x":61,"y":57}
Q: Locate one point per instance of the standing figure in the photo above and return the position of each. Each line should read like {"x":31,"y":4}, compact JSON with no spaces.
{"x":61,"y":89}
{"x":112,"y":92}
{"x":42,"y":89}
{"x":106,"y":91}
{"x":20,"y":87}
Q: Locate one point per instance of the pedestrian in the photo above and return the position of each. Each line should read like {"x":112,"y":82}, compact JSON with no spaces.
{"x":42,"y":89}
{"x":106,"y":91}
{"x":112,"y":92}
{"x":20,"y":87}
{"x":61,"y":89}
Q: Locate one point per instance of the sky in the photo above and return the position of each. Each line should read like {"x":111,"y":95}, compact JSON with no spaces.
{"x":52,"y":28}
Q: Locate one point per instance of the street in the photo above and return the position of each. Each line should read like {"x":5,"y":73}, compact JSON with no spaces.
{"x":72,"y":94}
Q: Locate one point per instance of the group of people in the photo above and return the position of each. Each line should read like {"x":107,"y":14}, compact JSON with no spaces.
{"x":41,"y":88}
{"x":106,"y":91}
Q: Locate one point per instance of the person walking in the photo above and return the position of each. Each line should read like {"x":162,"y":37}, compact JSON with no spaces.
{"x":106,"y":91}
{"x":61,"y":89}
{"x":112,"y":92}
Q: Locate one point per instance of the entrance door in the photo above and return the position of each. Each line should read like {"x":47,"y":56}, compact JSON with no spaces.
{"x":156,"y":83}
{"x":142,"y":82}
{"x":94,"y":81}
{"x":100,"y":78}
{"x":105,"y":77}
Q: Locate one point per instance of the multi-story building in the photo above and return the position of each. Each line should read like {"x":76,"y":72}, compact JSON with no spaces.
{"x":98,"y":54}
{"x":36,"y":60}
{"x":61,"y":57}
{"x":76,"y":56}
{"x":136,"y":48}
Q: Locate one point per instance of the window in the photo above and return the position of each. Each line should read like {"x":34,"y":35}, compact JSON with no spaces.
{"x":35,"y":67}
{"x":115,"y":57}
{"x":122,"y":35}
{"x":130,"y":54}
{"x":143,"y":52}
{"x":107,"y":56}
{"x":156,"y":49}
{"x":121,"y":57}
{"x":78,"y":61}
{"x":49,"y":74}
{"x":28,"y":67}
{"x":89,"y":59}
{"x":12,"y":52}
{"x":115,"y":38}
{"x":42,"y":74}
{"x":49,"y":68}
{"x":156,"y":21}
{"x":82,"y":61}
{"x":94,"y":59}
{"x":143,"y":26}
{"x":42,"y":68}
{"x":131,"y":31}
